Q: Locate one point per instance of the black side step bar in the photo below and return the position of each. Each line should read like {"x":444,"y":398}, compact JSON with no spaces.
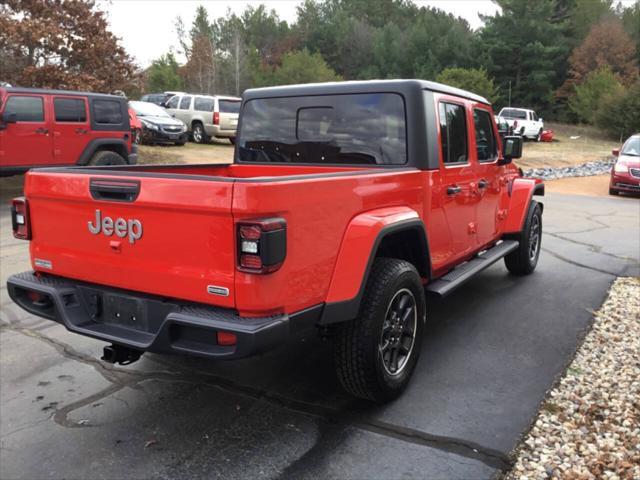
{"x":456,"y":277}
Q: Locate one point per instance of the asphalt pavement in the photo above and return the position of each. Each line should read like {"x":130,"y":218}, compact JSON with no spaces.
{"x":491,"y":351}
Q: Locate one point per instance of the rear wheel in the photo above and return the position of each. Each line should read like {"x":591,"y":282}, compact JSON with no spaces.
{"x":375,"y":354}
{"x":198,"y":134}
{"x":524,"y":259}
{"x":106,"y":157}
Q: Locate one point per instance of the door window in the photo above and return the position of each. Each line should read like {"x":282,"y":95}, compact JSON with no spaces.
{"x":184,"y":103}
{"x":70,"y":110}
{"x":486,"y":147}
{"x":453,"y":133}
{"x":27,"y":109}
{"x":173,"y":102}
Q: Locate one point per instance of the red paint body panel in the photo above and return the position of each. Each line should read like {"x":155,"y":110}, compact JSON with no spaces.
{"x":521,"y":192}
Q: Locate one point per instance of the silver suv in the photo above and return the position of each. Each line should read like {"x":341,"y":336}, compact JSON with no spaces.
{"x":206,"y":116}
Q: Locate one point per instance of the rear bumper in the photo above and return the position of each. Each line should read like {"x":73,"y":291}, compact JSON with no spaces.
{"x":216,"y":131}
{"x":146,"y":322}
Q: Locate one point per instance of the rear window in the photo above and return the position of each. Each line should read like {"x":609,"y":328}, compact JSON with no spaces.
{"x":202,"y":104}
{"x":327,"y":129}
{"x":107,"y":112}
{"x":27,"y":109}
{"x":69,"y":110}
{"x":513,"y":113}
{"x":229,"y":106}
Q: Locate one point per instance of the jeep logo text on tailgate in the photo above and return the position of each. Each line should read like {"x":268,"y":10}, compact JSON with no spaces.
{"x":121,"y":227}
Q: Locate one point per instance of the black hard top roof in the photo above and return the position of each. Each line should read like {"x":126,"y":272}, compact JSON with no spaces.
{"x":46,"y":91}
{"x":366,"y":86}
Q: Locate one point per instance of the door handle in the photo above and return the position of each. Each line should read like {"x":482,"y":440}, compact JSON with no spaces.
{"x":42,"y":131}
{"x":453,"y":190}
{"x":483,"y":183}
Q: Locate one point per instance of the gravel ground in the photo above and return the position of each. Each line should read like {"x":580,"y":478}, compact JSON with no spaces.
{"x":589,"y":425}
{"x":587,"y":169}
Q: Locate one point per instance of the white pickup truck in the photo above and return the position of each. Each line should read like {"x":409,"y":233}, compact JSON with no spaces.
{"x":524,"y":122}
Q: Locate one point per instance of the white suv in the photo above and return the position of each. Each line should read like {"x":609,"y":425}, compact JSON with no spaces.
{"x":206,"y":116}
{"x":523,"y":122}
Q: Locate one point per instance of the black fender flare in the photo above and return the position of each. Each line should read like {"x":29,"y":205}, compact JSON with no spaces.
{"x":336,"y":312}
{"x":118,"y":145}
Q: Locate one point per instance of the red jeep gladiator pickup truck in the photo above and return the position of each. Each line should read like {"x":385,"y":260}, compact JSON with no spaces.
{"x":346,"y":204}
{"x":57,"y":127}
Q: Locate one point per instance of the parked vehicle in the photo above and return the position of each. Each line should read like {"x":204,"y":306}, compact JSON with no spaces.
{"x":346,"y":204}
{"x":625,"y":174}
{"x":55,"y":127}
{"x":136,"y":126}
{"x":523,"y":122}
{"x":207,"y":116}
{"x":158,"y":126}
{"x":159,"y":99}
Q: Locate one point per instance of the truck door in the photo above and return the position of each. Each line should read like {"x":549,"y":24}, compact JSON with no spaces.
{"x":27,"y":141}
{"x":458,"y":176}
{"x":489,"y":174}
{"x":70,"y":128}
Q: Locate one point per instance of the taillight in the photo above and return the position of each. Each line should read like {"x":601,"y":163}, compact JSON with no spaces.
{"x":20,"y":218}
{"x":262,"y":245}
{"x":216,"y":118}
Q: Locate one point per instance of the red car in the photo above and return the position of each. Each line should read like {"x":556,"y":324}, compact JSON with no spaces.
{"x":346,"y":204}
{"x":625,"y":174}
{"x":62,"y":128}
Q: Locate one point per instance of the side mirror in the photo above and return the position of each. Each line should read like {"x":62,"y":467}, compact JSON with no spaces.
{"x":9,"y":117}
{"x":615,"y":152}
{"x":512,"y":148}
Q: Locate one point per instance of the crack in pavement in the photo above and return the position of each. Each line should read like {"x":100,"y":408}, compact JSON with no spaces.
{"x":594,"y":248}
{"x":577,"y":264}
{"x":348,"y":417}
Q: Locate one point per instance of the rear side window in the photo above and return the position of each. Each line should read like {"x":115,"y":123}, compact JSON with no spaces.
{"x":27,"y":109}
{"x":107,"y":112}
{"x":485,"y":138}
{"x":453,"y":133}
{"x":173,"y":102}
{"x":203,"y":104}
{"x":70,"y":110}
{"x":229,"y":106}
{"x":513,"y":113}
{"x":184,"y":103}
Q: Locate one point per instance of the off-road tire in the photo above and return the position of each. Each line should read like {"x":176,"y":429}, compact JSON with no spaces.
{"x":359,"y":363}
{"x":523,"y":260}
{"x":106,"y":157}
{"x":198,"y":134}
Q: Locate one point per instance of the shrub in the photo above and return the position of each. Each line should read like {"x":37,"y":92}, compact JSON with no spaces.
{"x":619,"y":113}
{"x":588,"y":95}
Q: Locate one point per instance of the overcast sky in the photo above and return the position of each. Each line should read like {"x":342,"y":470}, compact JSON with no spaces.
{"x":147,"y":28}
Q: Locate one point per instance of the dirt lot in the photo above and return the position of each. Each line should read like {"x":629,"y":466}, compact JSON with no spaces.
{"x":216,"y":152}
{"x":591,"y":145}
{"x":596,"y":186}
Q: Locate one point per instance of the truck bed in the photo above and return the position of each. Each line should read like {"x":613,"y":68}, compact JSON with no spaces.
{"x":186,"y":247}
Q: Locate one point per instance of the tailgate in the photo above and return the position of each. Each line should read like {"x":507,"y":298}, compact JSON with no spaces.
{"x":166,"y":236}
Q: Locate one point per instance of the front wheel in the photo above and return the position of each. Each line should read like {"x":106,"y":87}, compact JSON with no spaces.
{"x":524,"y":259}
{"x":376,"y":353}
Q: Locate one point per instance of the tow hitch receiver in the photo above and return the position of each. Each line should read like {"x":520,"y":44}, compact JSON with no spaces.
{"x":121,"y":355}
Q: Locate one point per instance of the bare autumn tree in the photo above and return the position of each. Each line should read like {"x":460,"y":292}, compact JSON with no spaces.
{"x":61,"y":44}
{"x":606,"y":45}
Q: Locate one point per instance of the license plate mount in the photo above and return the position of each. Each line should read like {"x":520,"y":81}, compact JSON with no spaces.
{"x":124,"y":311}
